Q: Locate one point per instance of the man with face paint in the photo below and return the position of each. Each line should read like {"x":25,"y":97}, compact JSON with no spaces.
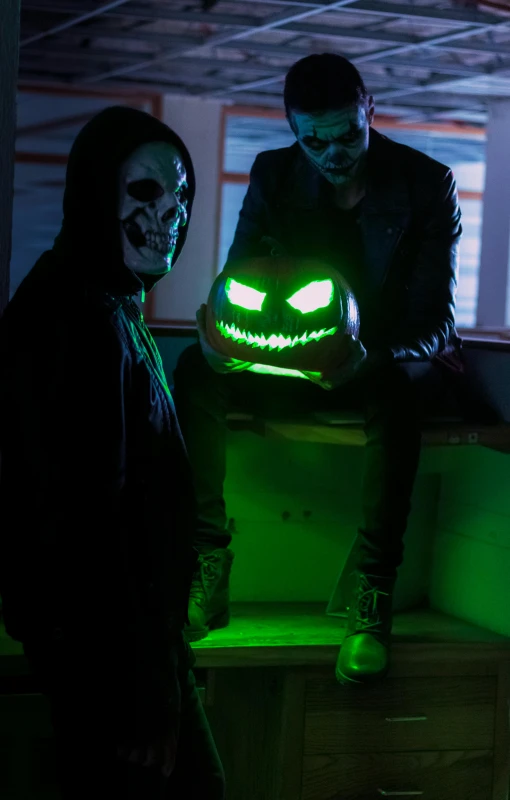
{"x":98,"y":508}
{"x":388,"y":218}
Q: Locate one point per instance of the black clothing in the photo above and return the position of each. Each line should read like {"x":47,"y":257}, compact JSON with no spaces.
{"x":399,"y":250}
{"x":87,"y":762}
{"x":410,"y":229}
{"x":394,"y":401}
{"x":97,"y":502}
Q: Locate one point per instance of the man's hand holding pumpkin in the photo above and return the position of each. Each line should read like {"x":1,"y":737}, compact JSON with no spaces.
{"x":350,"y":368}
{"x":217,"y":361}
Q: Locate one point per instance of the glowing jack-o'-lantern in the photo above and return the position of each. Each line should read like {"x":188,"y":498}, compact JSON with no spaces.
{"x":283,"y":313}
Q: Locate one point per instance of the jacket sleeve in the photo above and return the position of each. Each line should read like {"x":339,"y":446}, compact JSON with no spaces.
{"x":252,"y":223}
{"x":432,"y":285}
{"x":79,"y":449}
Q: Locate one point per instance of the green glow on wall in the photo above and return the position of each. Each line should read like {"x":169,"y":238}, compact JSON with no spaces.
{"x":244,"y":296}
{"x":317,"y":294}
{"x":274,"y":340}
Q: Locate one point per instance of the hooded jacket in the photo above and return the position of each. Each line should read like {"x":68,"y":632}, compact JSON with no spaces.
{"x":98,"y":508}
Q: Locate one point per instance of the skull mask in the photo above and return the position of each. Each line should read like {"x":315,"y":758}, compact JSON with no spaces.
{"x":152,"y":207}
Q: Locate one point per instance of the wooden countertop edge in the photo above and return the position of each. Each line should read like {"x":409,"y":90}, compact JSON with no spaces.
{"x":461,"y":657}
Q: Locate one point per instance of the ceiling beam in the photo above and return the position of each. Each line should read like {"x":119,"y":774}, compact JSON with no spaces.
{"x":193,"y":81}
{"x":275,"y":21}
{"x":330,"y":32}
{"x":280,"y":20}
{"x":287,"y":51}
{"x":152,"y":14}
{"x":63,"y":26}
{"x":189,"y":63}
{"x":425,"y":14}
{"x":250,"y":22}
{"x":432,"y":41}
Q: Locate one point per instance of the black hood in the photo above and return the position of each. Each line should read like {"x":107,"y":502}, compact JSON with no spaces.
{"x":89,"y":242}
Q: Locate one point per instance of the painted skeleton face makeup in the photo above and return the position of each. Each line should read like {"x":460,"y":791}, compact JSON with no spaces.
{"x":151,"y":207}
{"x":336,"y":141}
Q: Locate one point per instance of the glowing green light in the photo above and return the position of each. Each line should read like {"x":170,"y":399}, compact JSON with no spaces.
{"x":317,"y":294}
{"x":274,"y":341}
{"x":265,"y":369}
{"x":244,"y":296}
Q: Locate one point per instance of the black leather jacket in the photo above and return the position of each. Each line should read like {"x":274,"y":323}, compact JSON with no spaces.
{"x":410,"y":225}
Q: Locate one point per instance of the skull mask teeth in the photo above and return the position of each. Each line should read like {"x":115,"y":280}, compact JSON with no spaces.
{"x":152,"y":207}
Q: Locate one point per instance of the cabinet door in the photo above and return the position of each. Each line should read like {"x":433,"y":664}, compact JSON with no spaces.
{"x":399,"y":714}
{"x":27,"y":753}
{"x":450,"y":775}
{"x":244,"y":709}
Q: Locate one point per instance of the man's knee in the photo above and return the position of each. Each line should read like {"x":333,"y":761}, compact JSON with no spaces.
{"x":192,"y":370}
{"x":197,"y":385}
{"x":407,"y":390}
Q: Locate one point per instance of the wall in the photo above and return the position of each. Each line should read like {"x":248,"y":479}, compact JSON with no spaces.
{"x":198,"y":123}
{"x":490,"y":369}
{"x":9,"y":45}
{"x":471,"y":566}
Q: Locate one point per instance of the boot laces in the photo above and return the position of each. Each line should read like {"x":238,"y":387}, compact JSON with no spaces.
{"x":367,"y":616}
{"x":203,"y":576}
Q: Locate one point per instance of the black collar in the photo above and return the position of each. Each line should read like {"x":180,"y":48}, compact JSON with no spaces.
{"x":387,"y":190}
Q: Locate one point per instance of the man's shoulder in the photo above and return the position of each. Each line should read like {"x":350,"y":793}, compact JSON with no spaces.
{"x":406,"y":159}
{"x":271,"y":162}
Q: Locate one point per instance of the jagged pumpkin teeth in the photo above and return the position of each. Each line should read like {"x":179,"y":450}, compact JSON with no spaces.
{"x":286,"y":313}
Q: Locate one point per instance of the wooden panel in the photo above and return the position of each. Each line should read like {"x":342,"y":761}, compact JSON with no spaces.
{"x":246,"y":720}
{"x":452,"y":775}
{"x":400,"y":715}
{"x":290,"y":757}
{"x":496,"y":437}
{"x":27,"y":750}
{"x":426,"y":642}
{"x":501,"y":787}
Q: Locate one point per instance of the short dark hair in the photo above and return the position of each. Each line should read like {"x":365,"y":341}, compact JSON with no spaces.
{"x":322,"y":82}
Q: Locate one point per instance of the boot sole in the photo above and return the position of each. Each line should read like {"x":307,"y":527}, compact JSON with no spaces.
{"x":345,"y":681}
{"x":221,"y":620}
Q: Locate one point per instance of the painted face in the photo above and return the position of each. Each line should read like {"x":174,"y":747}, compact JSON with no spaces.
{"x":335,"y":142}
{"x":151,"y":207}
{"x":282,"y":313}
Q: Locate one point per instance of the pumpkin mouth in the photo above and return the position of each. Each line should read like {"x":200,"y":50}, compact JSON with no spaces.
{"x":273,"y":342}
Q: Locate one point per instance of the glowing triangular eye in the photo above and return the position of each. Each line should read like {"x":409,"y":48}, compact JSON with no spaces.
{"x":244,"y":296}
{"x":317,"y":294}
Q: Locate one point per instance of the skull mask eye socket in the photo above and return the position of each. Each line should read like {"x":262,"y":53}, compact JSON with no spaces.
{"x":315,"y":295}
{"x":145,"y":190}
{"x":244,"y":296}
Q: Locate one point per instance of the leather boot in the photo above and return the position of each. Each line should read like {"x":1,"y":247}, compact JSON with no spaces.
{"x":364,"y":654}
{"x":209,"y":598}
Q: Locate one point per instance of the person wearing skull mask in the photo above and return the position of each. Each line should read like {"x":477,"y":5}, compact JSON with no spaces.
{"x":387,"y":217}
{"x":96,"y":551}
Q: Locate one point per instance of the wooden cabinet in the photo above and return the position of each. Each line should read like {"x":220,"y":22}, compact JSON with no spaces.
{"x":436,"y":728}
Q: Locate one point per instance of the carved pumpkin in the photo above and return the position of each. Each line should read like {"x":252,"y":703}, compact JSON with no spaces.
{"x":282,"y":312}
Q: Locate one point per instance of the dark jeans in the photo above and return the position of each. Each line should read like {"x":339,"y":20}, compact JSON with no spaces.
{"x":393,"y":401}
{"x":87,"y":761}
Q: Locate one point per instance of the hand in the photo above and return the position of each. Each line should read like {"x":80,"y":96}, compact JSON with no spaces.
{"x":159,"y":752}
{"x":217,"y":361}
{"x":344,"y":372}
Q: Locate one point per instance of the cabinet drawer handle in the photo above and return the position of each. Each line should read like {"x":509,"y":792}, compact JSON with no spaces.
{"x":399,"y":794}
{"x":406,"y":719}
